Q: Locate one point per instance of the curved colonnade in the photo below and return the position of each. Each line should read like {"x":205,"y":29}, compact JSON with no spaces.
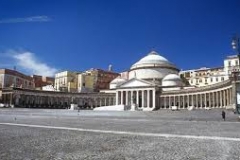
{"x":219,"y":95}
{"x":44,"y":99}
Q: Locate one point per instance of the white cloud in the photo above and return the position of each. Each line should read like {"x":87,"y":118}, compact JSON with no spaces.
{"x":28,"y":62}
{"x":26,"y":19}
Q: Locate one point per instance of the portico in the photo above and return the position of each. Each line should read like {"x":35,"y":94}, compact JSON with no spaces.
{"x":142,"y":98}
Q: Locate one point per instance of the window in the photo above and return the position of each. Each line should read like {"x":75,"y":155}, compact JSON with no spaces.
{"x":191,"y":81}
{"x":236,"y":62}
{"x":216,"y":79}
{"x":200,"y":80}
{"x":211,"y":79}
{"x":229,"y":63}
{"x":222,"y":78}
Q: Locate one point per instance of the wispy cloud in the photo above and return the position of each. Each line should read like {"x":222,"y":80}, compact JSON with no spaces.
{"x":26,"y":19}
{"x":28,"y":62}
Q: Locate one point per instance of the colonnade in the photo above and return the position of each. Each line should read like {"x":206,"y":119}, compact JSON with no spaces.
{"x":53,"y":100}
{"x":213,"y":99}
{"x":141,"y":98}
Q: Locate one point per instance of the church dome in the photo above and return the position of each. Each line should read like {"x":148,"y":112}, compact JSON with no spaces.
{"x":152,"y":67}
{"x":172,"y":80}
{"x":152,"y":59}
{"x":117,"y":81}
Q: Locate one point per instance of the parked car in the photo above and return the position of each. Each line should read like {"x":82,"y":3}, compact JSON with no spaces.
{"x":2,"y":105}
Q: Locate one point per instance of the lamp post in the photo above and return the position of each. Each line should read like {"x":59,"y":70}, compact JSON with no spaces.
{"x":235,"y":72}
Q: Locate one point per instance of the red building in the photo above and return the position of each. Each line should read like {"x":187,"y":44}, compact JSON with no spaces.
{"x":41,"y":81}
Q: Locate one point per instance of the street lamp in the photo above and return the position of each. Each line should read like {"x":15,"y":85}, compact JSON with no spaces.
{"x":235,"y":72}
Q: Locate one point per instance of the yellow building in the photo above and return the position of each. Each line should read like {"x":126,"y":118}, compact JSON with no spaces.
{"x":86,"y":82}
{"x":66,"y":81}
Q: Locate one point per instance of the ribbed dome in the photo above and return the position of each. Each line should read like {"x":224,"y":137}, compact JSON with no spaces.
{"x":117,"y":81}
{"x":152,"y":59}
{"x":172,"y":80}
{"x":171,"y":77}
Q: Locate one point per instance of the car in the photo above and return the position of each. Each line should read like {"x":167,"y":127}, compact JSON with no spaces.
{"x":2,"y":105}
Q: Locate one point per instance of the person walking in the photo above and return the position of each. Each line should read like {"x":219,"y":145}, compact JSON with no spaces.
{"x":223,"y":115}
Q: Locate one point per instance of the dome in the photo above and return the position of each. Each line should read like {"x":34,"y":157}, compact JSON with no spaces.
{"x":152,"y":59}
{"x":152,"y":67}
{"x":172,"y":80}
{"x":117,"y":81}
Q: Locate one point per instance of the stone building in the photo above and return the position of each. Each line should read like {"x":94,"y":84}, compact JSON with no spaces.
{"x":13,"y":78}
{"x":101,"y":78}
{"x":152,"y":83}
{"x":66,"y":81}
{"x":208,"y":76}
{"x":41,"y":81}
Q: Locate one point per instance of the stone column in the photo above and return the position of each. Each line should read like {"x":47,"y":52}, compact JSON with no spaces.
{"x":126,"y":97}
{"x":109,"y":101}
{"x":105,"y":101}
{"x":210,"y":99}
{"x":228,"y":103}
{"x":143,"y":99}
{"x":121,"y":97}
{"x":137,"y":98}
{"x":148,"y":98}
{"x":116,"y":98}
{"x":183,"y":101}
{"x":230,"y":97}
{"x":169,"y":101}
{"x":154,"y":98}
{"x":165,"y":102}
{"x":100,"y":102}
{"x":205,"y":100}
{"x":174,"y":101}
{"x":213,"y":96}
{"x":221,"y":97}
{"x":131,"y":97}
{"x":192,"y":100}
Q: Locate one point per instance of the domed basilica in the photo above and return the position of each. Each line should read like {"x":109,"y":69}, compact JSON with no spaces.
{"x":153,"y":83}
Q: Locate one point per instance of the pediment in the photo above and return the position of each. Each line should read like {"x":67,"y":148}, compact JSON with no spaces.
{"x":135,"y":83}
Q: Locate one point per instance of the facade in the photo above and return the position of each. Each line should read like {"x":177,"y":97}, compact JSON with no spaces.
{"x":86,"y":83}
{"x":231,"y":63}
{"x":41,"y":81}
{"x":13,"y":78}
{"x":66,"y":81}
{"x":205,"y":76}
{"x":152,"y":83}
{"x":208,"y":76}
{"x":101,"y":78}
{"x":155,"y":83}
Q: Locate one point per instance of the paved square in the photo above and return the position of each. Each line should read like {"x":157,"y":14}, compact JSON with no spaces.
{"x":64,"y":134}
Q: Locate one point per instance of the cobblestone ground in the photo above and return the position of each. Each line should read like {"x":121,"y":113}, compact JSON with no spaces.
{"x":18,"y":142}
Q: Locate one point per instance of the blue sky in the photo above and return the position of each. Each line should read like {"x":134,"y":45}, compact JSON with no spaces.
{"x":46,"y":36}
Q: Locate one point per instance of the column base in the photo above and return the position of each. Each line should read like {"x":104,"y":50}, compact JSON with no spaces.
{"x":133,"y":107}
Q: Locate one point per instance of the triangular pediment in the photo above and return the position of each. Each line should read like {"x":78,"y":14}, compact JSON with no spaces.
{"x":135,"y":83}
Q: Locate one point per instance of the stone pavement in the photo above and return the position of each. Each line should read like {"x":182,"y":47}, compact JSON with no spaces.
{"x":161,"y":134}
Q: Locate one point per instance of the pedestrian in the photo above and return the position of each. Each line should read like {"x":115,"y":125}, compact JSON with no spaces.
{"x":223,"y":115}
{"x":78,"y":110}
